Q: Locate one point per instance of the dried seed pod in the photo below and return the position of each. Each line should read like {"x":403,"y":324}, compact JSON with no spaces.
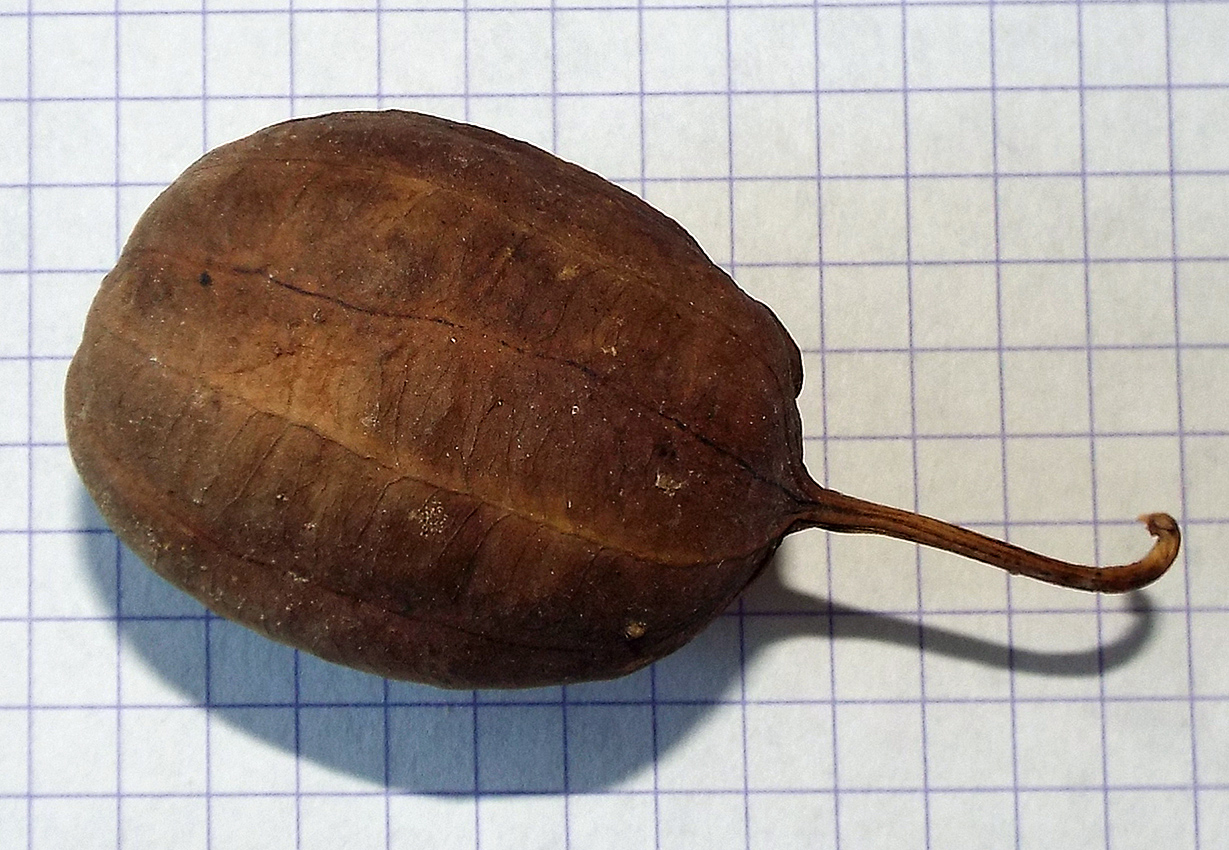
{"x":432,"y":403}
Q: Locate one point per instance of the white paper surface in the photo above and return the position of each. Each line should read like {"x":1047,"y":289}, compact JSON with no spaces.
{"x":999,"y":233}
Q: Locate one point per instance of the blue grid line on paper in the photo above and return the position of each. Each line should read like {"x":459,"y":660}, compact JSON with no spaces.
{"x":740,"y":605}
{"x":1084,"y":230}
{"x":466,"y":92}
{"x":1002,"y":414}
{"x":913,"y":418}
{"x":297,"y":708}
{"x":665,"y":792}
{"x":30,"y":294}
{"x":292,"y":17}
{"x":746,"y":178}
{"x":595,"y":7}
{"x":1181,"y":441}
{"x":829,"y":590}
{"x":675,"y":701}
{"x":117,"y":590}
{"x":386,"y":746}
{"x":512,"y":94}
{"x":654,"y":717}
{"x":207,"y":617}
{"x":363,"y":98}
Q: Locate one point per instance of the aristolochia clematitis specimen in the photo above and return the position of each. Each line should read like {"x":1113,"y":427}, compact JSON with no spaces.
{"x":430,"y":402}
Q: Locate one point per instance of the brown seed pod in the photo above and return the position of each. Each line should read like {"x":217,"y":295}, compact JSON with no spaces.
{"x":432,"y":403}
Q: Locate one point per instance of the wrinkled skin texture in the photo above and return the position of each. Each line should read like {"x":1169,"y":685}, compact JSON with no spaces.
{"x":431,"y":403}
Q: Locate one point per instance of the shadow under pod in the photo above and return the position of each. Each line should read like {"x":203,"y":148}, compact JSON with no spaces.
{"x":267,"y":701}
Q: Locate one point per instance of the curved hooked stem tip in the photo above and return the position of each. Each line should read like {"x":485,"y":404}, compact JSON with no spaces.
{"x":837,"y":512}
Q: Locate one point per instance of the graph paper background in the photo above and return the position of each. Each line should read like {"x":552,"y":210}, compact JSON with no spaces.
{"x":998,"y":231}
